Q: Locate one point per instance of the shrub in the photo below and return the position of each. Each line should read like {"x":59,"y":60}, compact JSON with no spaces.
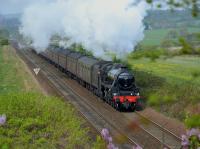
{"x":197,"y":51}
{"x":82,"y":50}
{"x":169,"y":43}
{"x":99,"y":144}
{"x":153,"y":100}
{"x":4,"y":42}
{"x":148,"y":80}
{"x":152,"y":54}
{"x":195,"y":73}
{"x":186,"y":47}
{"x":192,"y":121}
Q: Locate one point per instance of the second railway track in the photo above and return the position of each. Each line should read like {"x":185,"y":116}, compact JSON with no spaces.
{"x":101,"y":115}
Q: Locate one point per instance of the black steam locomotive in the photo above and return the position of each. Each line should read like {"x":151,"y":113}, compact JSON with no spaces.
{"x":110,"y":81}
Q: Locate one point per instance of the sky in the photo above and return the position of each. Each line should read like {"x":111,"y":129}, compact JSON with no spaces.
{"x":16,"y":6}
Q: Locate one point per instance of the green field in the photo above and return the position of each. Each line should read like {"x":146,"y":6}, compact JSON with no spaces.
{"x":156,"y":36}
{"x":173,"y":83}
{"x":33,"y":119}
{"x":179,"y":68}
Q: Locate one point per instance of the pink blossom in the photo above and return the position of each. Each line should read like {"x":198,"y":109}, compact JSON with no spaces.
{"x":109,"y":139}
{"x":193,"y":132}
{"x":137,"y":147}
{"x":185,"y":141}
{"x":111,"y":146}
{"x":2,"y":120}
{"x":105,"y":134}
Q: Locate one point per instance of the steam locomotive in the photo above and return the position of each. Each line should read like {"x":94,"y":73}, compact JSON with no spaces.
{"x":112,"y":82}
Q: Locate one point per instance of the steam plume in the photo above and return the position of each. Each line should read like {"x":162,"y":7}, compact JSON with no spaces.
{"x":100,"y":26}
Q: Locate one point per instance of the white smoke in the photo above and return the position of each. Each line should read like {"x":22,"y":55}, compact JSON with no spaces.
{"x":114,"y":26}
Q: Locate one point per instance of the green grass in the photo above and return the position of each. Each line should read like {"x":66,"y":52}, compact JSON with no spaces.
{"x":173,"y":83}
{"x":176,"y":68}
{"x":156,"y":36}
{"x":193,"y":30}
{"x":8,"y":81}
{"x":13,"y":75}
{"x":35,"y":120}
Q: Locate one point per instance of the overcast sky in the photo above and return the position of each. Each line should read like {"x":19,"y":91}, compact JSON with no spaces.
{"x":16,"y":6}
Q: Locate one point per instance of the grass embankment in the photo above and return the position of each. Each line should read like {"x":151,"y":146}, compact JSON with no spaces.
{"x":171,"y":85}
{"x":35,"y":120}
{"x":14,"y":77}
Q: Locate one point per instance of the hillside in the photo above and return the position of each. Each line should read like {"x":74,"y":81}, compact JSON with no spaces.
{"x":170,"y":85}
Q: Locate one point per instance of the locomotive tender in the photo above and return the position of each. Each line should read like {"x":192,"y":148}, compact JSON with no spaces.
{"x":112,"y":82}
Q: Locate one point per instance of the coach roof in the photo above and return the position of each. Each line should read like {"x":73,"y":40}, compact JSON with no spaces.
{"x":88,"y":61}
{"x":64,"y":51}
{"x":75,"y":55}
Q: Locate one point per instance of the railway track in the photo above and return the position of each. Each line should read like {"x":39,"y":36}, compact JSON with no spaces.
{"x":159,"y":126}
{"x":95,"y":118}
{"x":158,"y":131}
{"x":101,"y":115}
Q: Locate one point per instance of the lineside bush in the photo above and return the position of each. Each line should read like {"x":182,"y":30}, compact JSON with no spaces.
{"x":4,"y":41}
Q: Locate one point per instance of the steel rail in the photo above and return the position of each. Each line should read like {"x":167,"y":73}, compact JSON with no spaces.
{"x":158,"y":125}
{"x":74,"y":92}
